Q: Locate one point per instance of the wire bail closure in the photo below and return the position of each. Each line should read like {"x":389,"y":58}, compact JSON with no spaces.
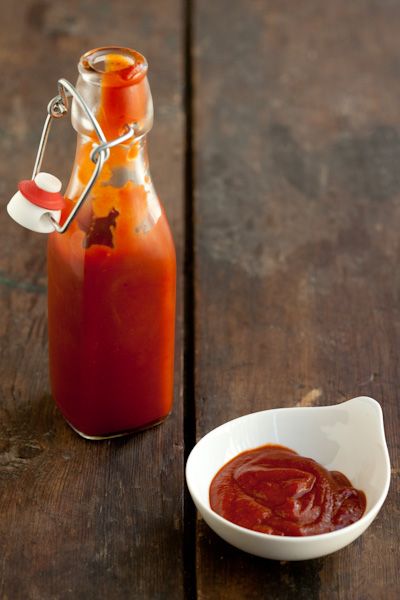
{"x":57,"y":108}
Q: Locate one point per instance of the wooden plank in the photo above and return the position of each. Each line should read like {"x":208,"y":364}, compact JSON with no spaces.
{"x":79,"y":519}
{"x":297,"y":149}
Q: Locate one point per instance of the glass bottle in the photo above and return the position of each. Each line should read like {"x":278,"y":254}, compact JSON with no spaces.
{"x":112,"y":275}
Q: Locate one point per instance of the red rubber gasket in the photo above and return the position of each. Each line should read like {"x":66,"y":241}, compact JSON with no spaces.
{"x":32,"y":192}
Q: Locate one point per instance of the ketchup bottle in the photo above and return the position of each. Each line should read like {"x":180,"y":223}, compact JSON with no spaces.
{"x":112,"y":274}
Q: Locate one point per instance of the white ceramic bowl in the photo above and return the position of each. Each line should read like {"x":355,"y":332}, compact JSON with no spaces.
{"x":347,"y":437}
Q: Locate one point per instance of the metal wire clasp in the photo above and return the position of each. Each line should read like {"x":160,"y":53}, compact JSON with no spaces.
{"x":57,"y":108}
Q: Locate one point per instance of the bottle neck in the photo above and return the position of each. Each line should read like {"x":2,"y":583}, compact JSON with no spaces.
{"x":127,"y":163}
{"x":114,"y":85}
{"x":113,"y":82}
{"x":124,"y":189}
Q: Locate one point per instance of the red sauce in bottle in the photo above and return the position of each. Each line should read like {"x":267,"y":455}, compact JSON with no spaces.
{"x":112,"y":282}
{"x":274,"y":490}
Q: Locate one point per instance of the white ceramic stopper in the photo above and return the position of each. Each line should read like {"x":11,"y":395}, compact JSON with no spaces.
{"x":48,"y":182}
{"x":30,"y":215}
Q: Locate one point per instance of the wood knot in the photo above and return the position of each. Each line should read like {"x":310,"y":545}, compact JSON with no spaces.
{"x":29,"y":450}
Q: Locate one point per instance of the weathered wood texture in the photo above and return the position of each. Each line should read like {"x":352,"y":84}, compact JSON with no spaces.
{"x":80,"y":519}
{"x":297,"y":208}
{"x":296,"y":144}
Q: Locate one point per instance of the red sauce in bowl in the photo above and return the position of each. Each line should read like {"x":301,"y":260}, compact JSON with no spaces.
{"x":274,"y":490}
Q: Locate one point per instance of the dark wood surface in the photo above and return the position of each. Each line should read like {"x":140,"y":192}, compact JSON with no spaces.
{"x":80,"y":519}
{"x":276,"y":150}
{"x":297,"y":203}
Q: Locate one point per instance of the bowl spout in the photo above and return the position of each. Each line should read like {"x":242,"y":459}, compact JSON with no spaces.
{"x":365,"y":415}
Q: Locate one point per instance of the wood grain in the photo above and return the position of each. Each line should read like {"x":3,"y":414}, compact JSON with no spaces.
{"x":79,"y":519}
{"x":297,"y":207}
{"x":296,"y":147}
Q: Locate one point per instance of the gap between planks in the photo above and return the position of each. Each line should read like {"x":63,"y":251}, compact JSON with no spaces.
{"x":189,"y":421}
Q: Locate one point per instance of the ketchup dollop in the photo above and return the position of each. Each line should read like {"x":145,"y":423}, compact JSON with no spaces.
{"x":274,"y":490}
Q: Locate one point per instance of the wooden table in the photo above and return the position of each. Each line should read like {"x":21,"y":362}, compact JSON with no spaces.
{"x":276,"y":150}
